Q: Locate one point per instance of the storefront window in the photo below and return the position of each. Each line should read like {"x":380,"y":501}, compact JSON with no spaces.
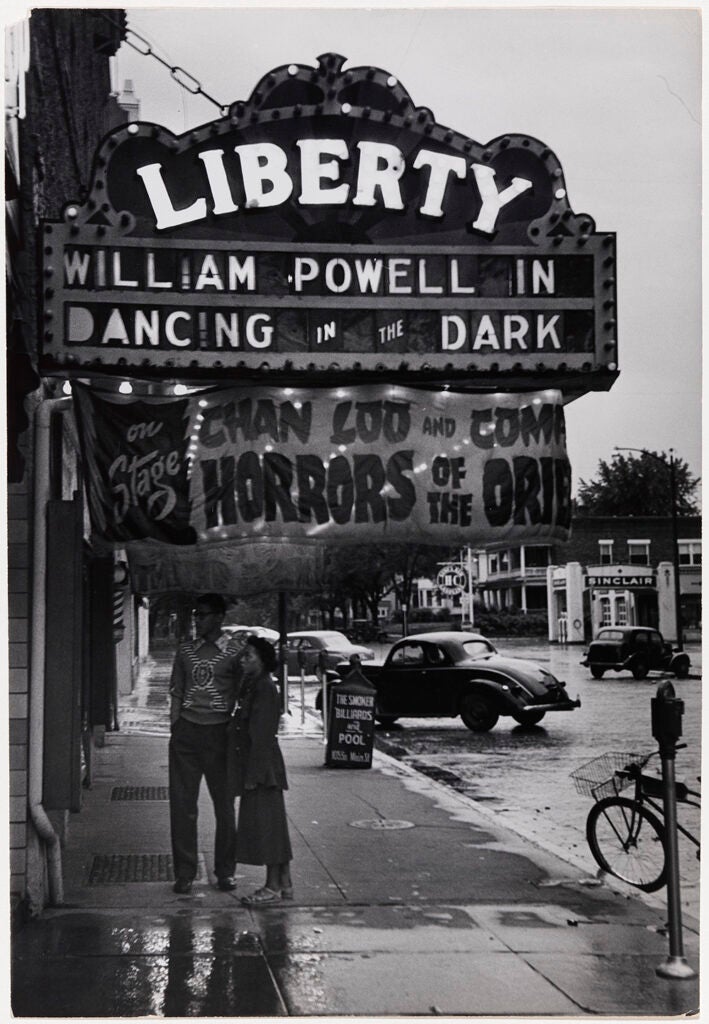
{"x":606,"y":617}
{"x":691,"y":606}
{"x":621,"y":612}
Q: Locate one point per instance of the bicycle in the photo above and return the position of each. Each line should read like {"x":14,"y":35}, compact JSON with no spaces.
{"x":626,"y":838}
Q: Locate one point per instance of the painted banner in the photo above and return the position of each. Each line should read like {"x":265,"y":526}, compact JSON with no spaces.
{"x":361,"y":464}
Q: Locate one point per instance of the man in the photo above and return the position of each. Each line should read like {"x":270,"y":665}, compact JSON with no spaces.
{"x":203,"y":687}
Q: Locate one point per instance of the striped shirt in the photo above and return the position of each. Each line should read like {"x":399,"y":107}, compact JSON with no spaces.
{"x":205,"y":681}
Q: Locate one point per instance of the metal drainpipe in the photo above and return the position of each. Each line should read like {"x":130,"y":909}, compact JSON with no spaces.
{"x":39,"y":817}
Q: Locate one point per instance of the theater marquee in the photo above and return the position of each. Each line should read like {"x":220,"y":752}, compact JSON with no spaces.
{"x":329,"y":226}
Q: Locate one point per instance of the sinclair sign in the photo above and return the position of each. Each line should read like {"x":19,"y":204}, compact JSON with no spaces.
{"x":329,"y":226}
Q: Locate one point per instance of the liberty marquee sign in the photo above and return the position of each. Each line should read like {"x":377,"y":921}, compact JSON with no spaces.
{"x":327,"y":225}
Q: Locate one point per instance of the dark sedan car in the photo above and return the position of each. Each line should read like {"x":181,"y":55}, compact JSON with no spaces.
{"x":442,"y":675}
{"x":322,"y":646}
{"x":635,"y":649}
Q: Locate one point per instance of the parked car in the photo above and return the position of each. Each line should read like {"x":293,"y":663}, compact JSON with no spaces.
{"x":443,"y":675}
{"x":243,"y":631}
{"x":635,"y":649}
{"x":326,"y":645}
{"x":364,"y":630}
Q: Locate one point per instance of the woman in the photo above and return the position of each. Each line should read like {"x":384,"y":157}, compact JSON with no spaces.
{"x":258,"y":775}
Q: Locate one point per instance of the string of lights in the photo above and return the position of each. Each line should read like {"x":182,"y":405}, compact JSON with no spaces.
{"x":183,"y":78}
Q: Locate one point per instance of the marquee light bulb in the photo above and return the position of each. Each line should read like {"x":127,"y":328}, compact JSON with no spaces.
{"x":66,"y":387}
{"x":180,"y":389}
{"x":125,"y":388}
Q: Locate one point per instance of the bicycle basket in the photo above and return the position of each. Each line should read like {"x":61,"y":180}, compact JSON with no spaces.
{"x":597,"y":777}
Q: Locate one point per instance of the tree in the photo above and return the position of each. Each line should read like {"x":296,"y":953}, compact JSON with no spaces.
{"x":367,"y":573}
{"x":637,"y":484}
{"x":411,"y":561}
{"x":361,"y":574}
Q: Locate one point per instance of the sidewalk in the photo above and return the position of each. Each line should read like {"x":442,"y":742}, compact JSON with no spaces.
{"x":407,"y":901}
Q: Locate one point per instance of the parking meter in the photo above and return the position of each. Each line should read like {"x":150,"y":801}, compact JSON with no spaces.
{"x":301,"y":665}
{"x":666,"y":718}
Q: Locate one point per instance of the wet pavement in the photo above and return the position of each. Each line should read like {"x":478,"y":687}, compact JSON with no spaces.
{"x":523,"y":776}
{"x":408,"y":900}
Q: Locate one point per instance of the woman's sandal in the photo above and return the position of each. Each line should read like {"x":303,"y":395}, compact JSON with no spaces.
{"x":261,"y":896}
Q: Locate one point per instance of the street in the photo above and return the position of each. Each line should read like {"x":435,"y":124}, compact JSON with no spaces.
{"x":524,"y":775}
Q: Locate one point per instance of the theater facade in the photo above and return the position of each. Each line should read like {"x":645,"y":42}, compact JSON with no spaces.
{"x":323,"y":318}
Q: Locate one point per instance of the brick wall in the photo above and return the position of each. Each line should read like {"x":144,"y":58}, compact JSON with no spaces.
{"x":19,"y":537}
{"x":587,"y":531}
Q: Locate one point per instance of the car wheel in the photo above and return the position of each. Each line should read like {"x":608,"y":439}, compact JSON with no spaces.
{"x":478,"y":713}
{"x":597,"y":671}
{"x":528,"y":718}
{"x":640,"y":668}
{"x":681,"y":668}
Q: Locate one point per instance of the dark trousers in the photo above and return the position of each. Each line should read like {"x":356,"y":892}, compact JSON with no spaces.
{"x":196,"y":751}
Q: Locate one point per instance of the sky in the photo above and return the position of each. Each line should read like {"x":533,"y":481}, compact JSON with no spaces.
{"x":614,"y":92}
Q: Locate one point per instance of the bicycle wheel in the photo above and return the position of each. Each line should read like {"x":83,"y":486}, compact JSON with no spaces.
{"x":628,"y":841}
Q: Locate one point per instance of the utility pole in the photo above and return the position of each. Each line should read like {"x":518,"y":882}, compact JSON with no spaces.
{"x":470,"y":585}
{"x":675,"y":546}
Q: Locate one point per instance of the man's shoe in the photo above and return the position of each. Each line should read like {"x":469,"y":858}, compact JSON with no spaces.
{"x":182,"y":886}
{"x":226,"y":884}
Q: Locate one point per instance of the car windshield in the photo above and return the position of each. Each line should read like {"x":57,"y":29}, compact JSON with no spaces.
{"x":477,"y":648}
{"x":610,"y":634}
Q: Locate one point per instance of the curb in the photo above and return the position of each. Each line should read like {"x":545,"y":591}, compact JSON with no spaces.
{"x":652,"y":901}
